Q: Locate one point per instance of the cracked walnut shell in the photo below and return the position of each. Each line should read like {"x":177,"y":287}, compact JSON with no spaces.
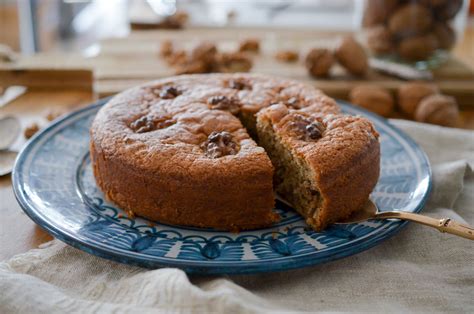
{"x":438,"y":109}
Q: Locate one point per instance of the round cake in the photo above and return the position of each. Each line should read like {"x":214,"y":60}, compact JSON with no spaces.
{"x":183,"y":150}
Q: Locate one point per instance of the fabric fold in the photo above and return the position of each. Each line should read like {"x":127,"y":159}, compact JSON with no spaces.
{"x":419,"y":269}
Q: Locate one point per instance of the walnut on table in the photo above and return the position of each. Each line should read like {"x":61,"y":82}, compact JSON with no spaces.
{"x":205,"y":58}
{"x":250,"y":45}
{"x":373,"y":98}
{"x":410,"y":94}
{"x":319,"y":62}
{"x":438,"y":109}
{"x":352,"y":56}
{"x":420,"y":101}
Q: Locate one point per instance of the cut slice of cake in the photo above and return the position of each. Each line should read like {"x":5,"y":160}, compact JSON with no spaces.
{"x":325,"y":165}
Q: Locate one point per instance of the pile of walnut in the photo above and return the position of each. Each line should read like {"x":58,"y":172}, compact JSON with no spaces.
{"x":416,"y":100}
{"x":206,"y":58}
{"x":412,"y":29}
{"x":349,"y":54}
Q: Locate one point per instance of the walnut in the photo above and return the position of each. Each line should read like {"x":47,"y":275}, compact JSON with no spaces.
{"x":233,"y":62}
{"x":379,"y":40}
{"x":373,"y":98}
{"x":377,"y":11}
{"x":410,"y":19}
{"x":224,"y":103}
{"x":239,"y":84}
{"x":166,"y":48}
{"x":433,"y":3}
{"x":319,"y":61}
{"x":193,"y":67}
{"x":178,"y":57}
{"x":294,"y":102}
{"x":163,"y":121}
{"x":31,"y":130}
{"x":410,"y":94}
{"x":315,"y":130}
{"x":205,"y":58}
{"x":250,"y":45}
{"x":175,"y":21}
{"x":306,"y":128}
{"x":418,"y":47}
{"x":438,"y":109}
{"x":142,"y":125}
{"x":445,"y":35}
{"x":150,"y":123}
{"x":287,"y":56}
{"x":448,"y":10}
{"x":219,"y":144}
{"x":169,"y":92}
{"x":351,"y":55}
{"x":205,"y":52}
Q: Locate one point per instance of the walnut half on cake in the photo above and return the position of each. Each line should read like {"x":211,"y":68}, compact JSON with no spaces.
{"x":325,"y":165}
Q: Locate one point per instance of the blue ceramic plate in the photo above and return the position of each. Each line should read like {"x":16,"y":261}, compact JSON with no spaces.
{"x":54,"y":184}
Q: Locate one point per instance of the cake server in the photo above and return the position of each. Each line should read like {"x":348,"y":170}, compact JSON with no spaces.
{"x":371,"y":211}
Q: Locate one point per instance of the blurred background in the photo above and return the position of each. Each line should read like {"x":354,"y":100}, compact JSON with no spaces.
{"x":44,"y":25}
{"x":103,"y":47}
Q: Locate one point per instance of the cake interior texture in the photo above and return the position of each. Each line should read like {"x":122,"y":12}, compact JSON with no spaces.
{"x":325,"y":165}
{"x":293,"y":179}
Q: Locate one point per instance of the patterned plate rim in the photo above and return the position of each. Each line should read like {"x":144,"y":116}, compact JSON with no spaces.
{"x":199,"y":267}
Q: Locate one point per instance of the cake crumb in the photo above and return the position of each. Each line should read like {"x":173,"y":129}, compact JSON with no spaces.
{"x":31,"y":130}
{"x":53,"y":114}
{"x":130,"y":214}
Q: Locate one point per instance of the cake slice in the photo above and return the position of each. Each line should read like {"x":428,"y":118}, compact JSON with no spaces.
{"x":325,"y":165}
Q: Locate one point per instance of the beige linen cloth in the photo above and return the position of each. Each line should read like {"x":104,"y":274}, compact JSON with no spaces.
{"x":419,"y":269}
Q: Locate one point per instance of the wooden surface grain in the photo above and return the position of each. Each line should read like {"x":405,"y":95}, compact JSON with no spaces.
{"x":17,"y":232}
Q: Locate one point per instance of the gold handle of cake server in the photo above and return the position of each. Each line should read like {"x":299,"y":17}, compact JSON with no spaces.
{"x":443,"y":225}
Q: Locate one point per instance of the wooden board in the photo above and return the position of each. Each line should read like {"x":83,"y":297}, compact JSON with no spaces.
{"x":48,"y":71}
{"x":134,"y":60}
{"x":126,"y":62}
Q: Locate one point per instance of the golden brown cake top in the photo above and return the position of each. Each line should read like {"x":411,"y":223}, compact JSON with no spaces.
{"x":329,"y":142}
{"x":185,"y":124}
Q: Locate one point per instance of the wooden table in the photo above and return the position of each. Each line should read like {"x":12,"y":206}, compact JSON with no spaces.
{"x":17,"y":232}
